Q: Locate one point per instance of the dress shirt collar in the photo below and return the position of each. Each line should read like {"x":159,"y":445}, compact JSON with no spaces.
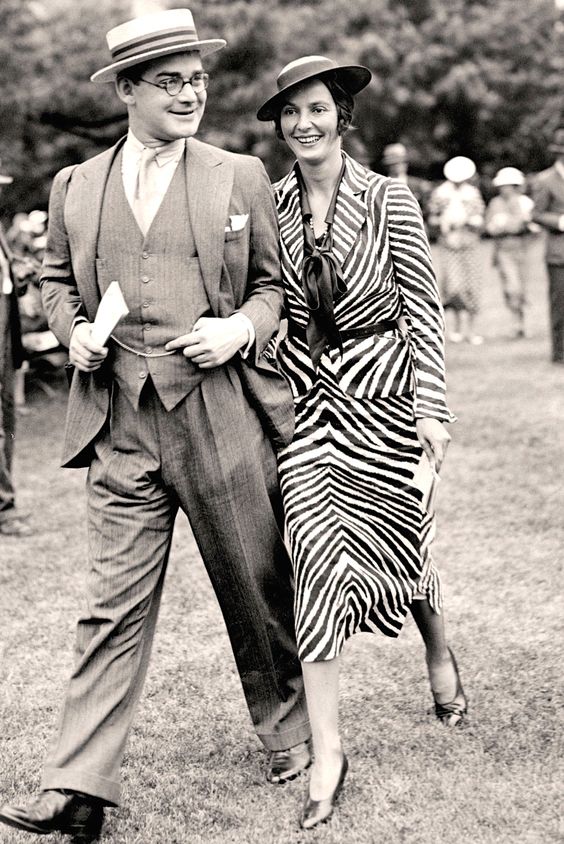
{"x":164,"y":154}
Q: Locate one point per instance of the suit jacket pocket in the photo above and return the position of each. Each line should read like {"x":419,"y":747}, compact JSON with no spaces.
{"x":375,"y":366}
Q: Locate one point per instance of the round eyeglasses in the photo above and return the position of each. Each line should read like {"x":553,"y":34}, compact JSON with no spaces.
{"x":175,"y":84}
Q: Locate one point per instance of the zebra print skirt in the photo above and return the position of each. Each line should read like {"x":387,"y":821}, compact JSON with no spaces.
{"x":358,"y":534}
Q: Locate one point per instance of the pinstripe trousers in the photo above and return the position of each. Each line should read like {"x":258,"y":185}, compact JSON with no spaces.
{"x":208,"y":456}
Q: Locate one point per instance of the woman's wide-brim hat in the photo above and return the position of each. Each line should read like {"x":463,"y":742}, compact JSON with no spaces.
{"x":557,"y":144}
{"x":508,"y":176}
{"x":5,"y":180}
{"x":151,"y":37}
{"x":352,"y":77}
{"x":459,"y":169}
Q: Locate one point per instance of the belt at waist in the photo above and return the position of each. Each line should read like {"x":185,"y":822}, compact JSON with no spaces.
{"x":368,"y":330}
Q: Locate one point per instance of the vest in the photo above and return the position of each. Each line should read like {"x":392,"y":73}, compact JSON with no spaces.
{"x":162,"y":284}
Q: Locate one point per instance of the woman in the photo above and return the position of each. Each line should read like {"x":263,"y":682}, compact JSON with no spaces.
{"x":508,"y":221}
{"x":456,"y":211}
{"x":355,"y":260}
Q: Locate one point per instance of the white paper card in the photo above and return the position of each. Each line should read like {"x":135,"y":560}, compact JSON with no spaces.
{"x":427,"y":480}
{"x":111,"y":309}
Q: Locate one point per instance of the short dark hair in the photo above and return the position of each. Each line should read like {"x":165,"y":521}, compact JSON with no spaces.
{"x":135,"y":72}
{"x":344,"y":103}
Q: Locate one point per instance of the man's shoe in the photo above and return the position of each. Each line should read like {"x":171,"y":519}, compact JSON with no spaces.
{"x":285,"y":765}
{"x":58,"y":811}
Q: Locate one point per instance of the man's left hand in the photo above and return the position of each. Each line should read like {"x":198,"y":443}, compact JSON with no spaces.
{"x":434,"y":439}
{"x":212,"y":341}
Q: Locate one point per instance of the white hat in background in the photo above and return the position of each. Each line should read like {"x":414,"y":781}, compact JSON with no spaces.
{"x":508,"y":176}
{"x":459,"y":169}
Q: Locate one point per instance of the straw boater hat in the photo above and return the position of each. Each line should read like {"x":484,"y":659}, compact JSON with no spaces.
{"x":5,"y":180}
{"x":508,"y":176}
{"x":352,"y":77}
{"x":459,"y":169}
{"x":557,"y":144}
{"x":151,"y":37}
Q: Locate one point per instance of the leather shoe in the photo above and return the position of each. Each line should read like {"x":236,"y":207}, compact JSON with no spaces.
{"x":58,"y":811}
{"x":285,"y":765}
{"x":319,"y":811}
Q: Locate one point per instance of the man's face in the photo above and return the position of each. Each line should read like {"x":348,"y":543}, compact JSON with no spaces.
{"x":156,"y":116}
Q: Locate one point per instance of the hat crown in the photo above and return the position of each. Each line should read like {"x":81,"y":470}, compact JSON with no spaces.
{"x":303,"y":68}
{"x":154,"y":25}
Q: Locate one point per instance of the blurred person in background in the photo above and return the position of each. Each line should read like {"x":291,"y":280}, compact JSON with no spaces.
{"x":355,"y":259}
{"x":548,"y":196}
{"x":14,"y":275}
{"x":456,"y":213}
{"x":395,"y":160}
{"x":508,"y":221}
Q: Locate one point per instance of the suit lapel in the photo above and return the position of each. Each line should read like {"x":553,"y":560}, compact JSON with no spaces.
{"x":209,"y":183}
{"x":350,"y":210}
{"x":83,"y":209}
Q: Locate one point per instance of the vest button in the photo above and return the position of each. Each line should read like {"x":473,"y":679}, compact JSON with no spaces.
{"x":145,"y":279}
{"x":146,"y":304}
{"x":144,"y":254}
{"x":148,"y":350}
{"x":147,"y":326}
{"x":142,"y":375}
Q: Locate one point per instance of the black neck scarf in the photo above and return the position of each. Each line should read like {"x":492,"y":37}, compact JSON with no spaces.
{"x":322,"y":277}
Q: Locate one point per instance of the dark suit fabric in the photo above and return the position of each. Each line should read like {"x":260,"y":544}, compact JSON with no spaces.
{"x":548,"y":195}
{"x":207,"y":454}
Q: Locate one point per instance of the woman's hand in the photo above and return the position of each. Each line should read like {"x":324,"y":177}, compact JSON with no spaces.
{"x":434,"y":439}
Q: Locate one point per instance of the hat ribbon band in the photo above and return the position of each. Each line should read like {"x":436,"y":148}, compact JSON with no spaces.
{"x":171,"y":38}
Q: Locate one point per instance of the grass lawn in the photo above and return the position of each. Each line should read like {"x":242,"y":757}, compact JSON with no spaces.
{"x":194,"y":771}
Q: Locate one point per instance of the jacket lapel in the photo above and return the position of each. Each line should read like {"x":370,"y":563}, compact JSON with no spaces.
{"x":209,"y":183}
{"x":83,"y":209}
{"x":290,"y":220}
{"x":351,"y":209}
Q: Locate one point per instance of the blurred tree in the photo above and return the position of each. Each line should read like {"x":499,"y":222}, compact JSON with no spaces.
{"x":475,"y":77}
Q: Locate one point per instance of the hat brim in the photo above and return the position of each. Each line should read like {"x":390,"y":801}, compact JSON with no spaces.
{"x":108,"y":74}
{"x":6,"y":180}
{"x":352,"y":77}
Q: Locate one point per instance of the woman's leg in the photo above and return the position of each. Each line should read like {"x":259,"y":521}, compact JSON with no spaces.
{"x":442,"y":672}
{"x":321,"y":681}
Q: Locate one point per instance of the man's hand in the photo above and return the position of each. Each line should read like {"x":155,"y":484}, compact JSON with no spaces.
{"x":84,"y":353}
{"x":212,"y":341}
{"x":434,"y":439}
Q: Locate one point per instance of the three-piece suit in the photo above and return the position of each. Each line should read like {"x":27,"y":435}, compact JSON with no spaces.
{"x":158,"y":433}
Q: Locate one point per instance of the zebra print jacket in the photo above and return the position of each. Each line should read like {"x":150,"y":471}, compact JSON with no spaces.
{"x":380,"y":242}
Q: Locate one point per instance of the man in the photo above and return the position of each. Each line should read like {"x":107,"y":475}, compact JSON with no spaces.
{"x":548,"y":195}
{"x":12,"y":273}
{"x":162,"y":416}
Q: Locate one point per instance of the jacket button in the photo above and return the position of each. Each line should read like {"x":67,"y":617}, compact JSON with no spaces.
{"x":144,"y":254}
{"x":145,"y":279}
{"x":142,"y":375}
{"x":147,"y":326}
{"x":146,"y":304}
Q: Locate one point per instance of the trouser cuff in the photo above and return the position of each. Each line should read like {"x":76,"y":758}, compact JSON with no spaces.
{"x":285,"y":739}
{"x":86,"y":783}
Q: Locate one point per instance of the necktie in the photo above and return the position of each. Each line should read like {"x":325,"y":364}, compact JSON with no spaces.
{"x":147,"y":198}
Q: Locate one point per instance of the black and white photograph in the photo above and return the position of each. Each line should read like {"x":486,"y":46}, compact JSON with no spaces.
{"x":281,"y":421}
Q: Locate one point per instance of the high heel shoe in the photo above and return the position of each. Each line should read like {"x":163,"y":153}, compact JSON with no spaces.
{"x":452,"y":714}
{"x":319,"y":811}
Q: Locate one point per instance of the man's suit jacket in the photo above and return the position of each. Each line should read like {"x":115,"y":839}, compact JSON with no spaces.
{"x":12,"y":311}
{"x":240,"y":269}
{"x":548,"y":196}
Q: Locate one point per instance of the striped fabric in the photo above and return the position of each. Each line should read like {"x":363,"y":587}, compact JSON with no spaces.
{"x":359,"y":536}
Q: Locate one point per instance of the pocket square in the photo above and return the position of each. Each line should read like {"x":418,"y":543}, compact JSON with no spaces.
{"x":237,"y":222}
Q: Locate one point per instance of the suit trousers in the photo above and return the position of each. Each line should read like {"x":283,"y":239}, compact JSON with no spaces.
{"x":208,"y":456}
{"x":556,"y":301}
{"x":7,"y":409}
